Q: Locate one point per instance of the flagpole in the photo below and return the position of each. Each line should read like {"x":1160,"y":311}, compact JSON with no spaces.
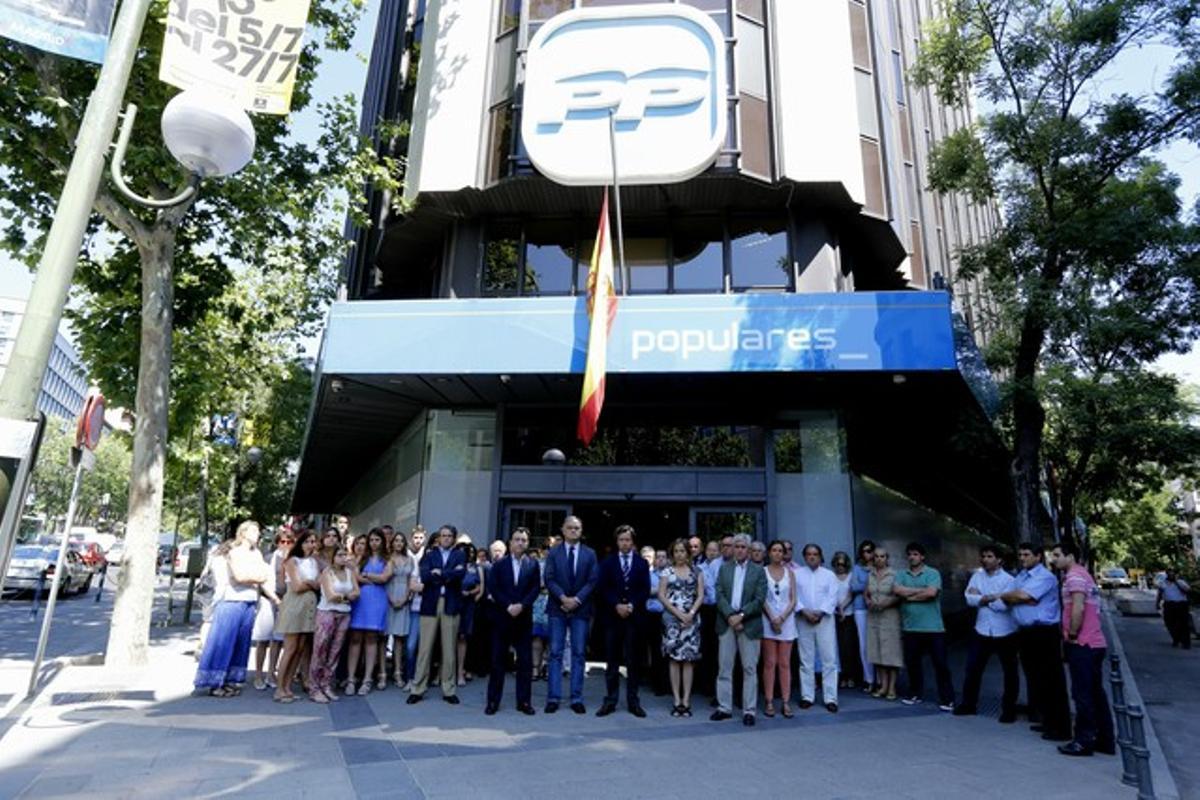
{"x":612,"y":141}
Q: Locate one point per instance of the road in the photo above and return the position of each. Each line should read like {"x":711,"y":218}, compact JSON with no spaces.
{"x":1168,"y":679}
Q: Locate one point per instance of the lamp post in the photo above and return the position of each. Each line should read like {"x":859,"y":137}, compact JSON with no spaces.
{"x":208,"y":136}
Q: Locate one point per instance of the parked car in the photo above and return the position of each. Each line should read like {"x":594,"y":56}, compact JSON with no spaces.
{"x":1115,"y":578}
{"x":116,"y":553}
{"x":166,"y":557}
{"x":181,"y":557}
{"x":91,"y":554}
{"x":31,"y":561}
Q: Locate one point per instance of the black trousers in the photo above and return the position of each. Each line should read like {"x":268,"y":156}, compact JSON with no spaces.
{"x":1093,"y":718}
{"x":982,"y":648}
{"x":515,"y":633}
{"x":916,"y":646}
{"x":1040,"y":647}
{"x":1177,"y":618}
{"x":623,"y":642}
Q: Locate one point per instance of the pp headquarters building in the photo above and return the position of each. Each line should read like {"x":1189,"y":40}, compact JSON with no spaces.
{"x":793,"y":355}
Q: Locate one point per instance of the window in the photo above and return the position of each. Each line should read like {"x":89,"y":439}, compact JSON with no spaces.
{"x":872,"y":177}
{"x":501,"y":259}
{"x":754,"y":111}
{"x":759,"y":256}
{"x":500,"y":142}
{"x":815,"y":443}
{"x":698,"y":248}
{"x":549,"y":257}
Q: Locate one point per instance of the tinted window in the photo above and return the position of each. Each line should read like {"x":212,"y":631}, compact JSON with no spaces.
{"x":759,"y":252}
{"x":698,"y":249}
{"x":549,"y":259}
{"x":501,"y":259}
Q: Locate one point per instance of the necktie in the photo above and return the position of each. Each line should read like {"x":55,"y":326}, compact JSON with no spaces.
{"x":625,"y":565}
{"x":571,"y":564}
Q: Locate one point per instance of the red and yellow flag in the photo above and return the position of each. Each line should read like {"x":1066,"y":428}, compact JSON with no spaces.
{"x":602,"y":309}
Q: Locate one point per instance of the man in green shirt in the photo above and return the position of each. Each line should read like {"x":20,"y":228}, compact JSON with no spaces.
{"x":920,"y":587}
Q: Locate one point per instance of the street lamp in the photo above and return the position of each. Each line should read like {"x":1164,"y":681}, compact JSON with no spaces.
{"x":209,"y":136}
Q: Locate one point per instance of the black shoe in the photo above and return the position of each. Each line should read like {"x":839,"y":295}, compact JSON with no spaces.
{"x":526,"y":709}
{"x":1008,"y":718}
{"x":637,"y":711}
{"x":491,"y":709}
{"x":1108,"y":749}
{"x":452,"y":699}
{"x":805,"y":704}
{"x":605,"y":710}
{"x":1074,"y":749}
{"x":748,"y":720}
{"x":1051,"y":736}
{"x":720,"y":716}
{"x":964,"y":711}
{"x":831,"y":708}
{"x":413,"y":699}
{"x":578,"y":708}
{"x":550,"y":708}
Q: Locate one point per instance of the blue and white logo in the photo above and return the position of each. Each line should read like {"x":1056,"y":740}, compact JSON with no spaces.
{"x":658,"y":71}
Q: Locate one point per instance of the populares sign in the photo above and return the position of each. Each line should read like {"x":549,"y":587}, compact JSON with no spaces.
{"x":244,"y":50}
{"x":658,"y":71}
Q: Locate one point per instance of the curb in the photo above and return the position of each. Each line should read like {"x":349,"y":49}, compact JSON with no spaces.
{"x":1164,"y":782}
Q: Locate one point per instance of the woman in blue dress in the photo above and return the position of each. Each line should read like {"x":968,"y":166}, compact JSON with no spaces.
{"x":368,"y":614}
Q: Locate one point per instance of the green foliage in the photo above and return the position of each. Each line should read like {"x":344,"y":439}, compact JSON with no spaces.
{"x":1142,"y":533}
{"x":53,"y":477}
{"x":1094,"y":269}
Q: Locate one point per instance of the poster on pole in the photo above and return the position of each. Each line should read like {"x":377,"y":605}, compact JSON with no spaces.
{"x":73,"y":28}
{"x":245,"y":50}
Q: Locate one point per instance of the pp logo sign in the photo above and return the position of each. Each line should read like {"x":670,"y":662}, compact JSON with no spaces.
{"x":658,"y":71}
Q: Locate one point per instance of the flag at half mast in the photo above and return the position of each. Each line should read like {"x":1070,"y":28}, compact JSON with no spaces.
{"x":602,"y":309}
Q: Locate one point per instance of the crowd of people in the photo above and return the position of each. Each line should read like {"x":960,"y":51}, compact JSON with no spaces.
{"x":331,"y":612}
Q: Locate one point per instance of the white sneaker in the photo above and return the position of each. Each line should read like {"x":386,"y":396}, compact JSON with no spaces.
{"x":911,"y":701}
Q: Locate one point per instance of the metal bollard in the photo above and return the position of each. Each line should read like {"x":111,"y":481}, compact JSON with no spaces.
{"x":37,"y":595}
{"x":1145,"y":782}
{"x":1124,"y":740}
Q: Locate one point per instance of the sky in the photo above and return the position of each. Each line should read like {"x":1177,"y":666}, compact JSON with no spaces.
{"x":1139,"y":72}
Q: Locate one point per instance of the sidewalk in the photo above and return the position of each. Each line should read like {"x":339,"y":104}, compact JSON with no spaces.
{"x":143,"y":734}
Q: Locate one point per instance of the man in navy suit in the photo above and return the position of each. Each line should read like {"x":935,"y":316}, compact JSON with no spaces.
{"x":514,"y":586}
{"x":624,"y":587}
{"x":571,"y":575}
{"x":442,"y":571}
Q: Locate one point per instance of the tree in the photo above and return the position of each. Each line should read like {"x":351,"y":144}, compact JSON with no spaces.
{"x":155,"y":280}
{"x":53,"y":476}
{"x":1091,"y":228}
{"x":1142,"y":533}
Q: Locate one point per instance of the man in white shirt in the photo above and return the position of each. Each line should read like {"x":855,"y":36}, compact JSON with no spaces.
{"x":995,"y":633}
{"x":816,"y":602}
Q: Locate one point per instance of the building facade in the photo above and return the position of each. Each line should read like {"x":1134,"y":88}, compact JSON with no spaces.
{"x":65,"y":385}
{"x":794,"y":354}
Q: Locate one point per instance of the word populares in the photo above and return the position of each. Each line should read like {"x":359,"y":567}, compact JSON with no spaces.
{"x":691,"y":341}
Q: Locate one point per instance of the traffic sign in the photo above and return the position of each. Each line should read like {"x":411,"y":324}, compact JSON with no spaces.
{"x":91,"y":422}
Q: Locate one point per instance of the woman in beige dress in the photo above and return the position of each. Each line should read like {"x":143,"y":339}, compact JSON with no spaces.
{"x":884,"y":648}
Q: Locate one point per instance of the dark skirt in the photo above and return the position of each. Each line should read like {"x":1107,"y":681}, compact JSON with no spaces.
{"x":850,"y":664}
{"x":227,"y":649}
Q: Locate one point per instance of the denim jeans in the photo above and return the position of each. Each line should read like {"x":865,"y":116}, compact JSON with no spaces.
{"x":1093,"y":719}
{"x":579,"y":639}
{"x":410,"y":648}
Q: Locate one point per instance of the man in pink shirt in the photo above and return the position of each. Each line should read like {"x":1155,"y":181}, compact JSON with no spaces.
{"x":1085,"y":649}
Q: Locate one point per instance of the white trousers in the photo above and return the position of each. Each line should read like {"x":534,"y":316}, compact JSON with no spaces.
{"x":860,"y":622}
{"x":814,"y":640}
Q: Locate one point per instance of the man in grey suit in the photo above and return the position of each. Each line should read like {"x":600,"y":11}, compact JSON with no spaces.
{"x":571,"y":573}
{"x":741,"y":592}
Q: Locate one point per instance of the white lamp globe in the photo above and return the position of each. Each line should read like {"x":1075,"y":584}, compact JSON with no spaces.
{"x":210,"y":136}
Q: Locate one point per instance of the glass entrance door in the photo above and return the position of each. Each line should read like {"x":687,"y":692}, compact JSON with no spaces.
{"x":542,"y":520}
{"x":714,"y":522}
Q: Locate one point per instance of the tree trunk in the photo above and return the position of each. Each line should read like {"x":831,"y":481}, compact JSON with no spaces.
{"x":129,"y":635}
{"x":1029,"y":419}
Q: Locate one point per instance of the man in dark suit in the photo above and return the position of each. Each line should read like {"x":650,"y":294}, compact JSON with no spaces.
{"x":442,"y":571}
{"x":623,"y":587}
{"x":571,"y":575}
{"x":514,"y":585}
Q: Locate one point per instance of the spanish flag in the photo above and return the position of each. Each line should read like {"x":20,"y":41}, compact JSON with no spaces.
{"x":602,"y":309}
